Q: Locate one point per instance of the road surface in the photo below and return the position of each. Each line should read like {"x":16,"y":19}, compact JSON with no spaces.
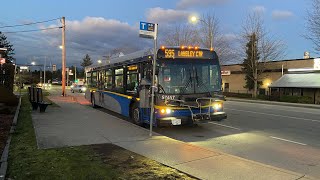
{"x":281,"y":136}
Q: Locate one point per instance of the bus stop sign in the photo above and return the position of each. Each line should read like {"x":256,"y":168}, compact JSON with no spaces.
{"x":147,"y":30}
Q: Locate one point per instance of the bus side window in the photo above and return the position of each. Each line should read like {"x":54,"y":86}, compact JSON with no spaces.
{"x":132,"y":79}
{"x":89,"y":79}
{"x":147,"y":71}
{"x":94,"y":79}
{"x":108,"y":79}
{"x":119,"y":80}
{"x":101,"y":79}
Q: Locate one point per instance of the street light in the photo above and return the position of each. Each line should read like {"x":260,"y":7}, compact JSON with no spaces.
{"x":33,"y":63}
{"x":194,"y":19}
{"x":99,"y":61}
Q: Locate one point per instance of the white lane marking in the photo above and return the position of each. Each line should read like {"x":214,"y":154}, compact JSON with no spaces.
{"x":288,"y":140}
{"x":225,"y":126}
{"x":304,"y":119}
{"x":293,"y":109}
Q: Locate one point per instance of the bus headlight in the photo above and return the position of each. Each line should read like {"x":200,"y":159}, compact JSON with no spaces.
{"x":165,"y":111}
{"x":217,"y":105}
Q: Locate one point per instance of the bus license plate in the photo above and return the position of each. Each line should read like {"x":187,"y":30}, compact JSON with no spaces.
{"x":176,"y":122}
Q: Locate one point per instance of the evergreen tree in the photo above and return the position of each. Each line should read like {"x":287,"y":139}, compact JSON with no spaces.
{"x":250,"y":63}
{"x":8,"y":55}
{"x":86,"y":61}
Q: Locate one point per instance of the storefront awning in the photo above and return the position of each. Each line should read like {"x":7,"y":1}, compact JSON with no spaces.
{"x":308,"y":80}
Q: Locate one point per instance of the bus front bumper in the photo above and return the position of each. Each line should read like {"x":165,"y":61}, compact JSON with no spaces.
{"x":184,"y":120}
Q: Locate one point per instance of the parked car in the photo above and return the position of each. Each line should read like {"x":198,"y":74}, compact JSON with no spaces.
{"x":78,"y":88}
{"x":56,"y":82}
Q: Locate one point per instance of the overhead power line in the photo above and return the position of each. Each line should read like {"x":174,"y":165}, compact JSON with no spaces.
{"x":27,"y":24}
{"x":33,"y":30}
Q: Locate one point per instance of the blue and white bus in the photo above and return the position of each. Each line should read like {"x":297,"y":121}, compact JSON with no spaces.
{"x":187,"y":86}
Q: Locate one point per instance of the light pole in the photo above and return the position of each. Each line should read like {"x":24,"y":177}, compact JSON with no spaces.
{"x":34,"y":64}
{"x":194,"y":19}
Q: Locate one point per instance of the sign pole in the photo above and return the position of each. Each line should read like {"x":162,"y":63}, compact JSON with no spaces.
{"x":153,"y":78}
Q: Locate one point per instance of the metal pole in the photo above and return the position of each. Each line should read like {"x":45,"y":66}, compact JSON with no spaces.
{"x":282,"y":69}
{"x":153,"y":78}
{"x":67,"y":76}
{"x":44,"y":71}
{"x":211,"y":38}
{"x":75,"y":73}
{"x":40,"y":75}
{"x":63,"y":56}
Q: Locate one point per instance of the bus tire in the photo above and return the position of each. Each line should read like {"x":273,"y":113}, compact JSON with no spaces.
{"x":93,"y":101}
{"x":135,"y":114}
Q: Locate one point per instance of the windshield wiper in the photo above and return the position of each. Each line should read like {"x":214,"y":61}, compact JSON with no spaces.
{"x":188,"y":82}
{"x":201,"y":84}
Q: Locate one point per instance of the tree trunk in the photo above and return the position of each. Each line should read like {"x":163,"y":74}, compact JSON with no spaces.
{"x":255,"y":87}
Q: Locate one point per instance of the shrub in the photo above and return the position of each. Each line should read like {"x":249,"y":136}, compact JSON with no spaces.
{"x":239,"y":95}
{"x":297,"y":99}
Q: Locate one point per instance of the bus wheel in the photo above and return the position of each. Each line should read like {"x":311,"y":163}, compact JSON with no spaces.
{"x":93,"y":102}
{"x":135,"y":115}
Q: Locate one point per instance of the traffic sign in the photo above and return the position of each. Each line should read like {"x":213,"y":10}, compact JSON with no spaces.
{"x":148,"y":30}
{"x":54,"y":67}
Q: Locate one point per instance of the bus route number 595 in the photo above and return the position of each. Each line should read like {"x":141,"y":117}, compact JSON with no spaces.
{"x":169,"y":53}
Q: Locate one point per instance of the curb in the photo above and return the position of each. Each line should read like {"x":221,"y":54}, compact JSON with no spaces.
{"x":275,"y":103}
{"x":5,"y":154}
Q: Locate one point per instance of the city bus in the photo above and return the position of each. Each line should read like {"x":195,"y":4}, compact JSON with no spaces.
{"x":187,"y":86}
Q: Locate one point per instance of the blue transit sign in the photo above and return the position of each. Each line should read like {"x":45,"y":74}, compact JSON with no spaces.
{"x":147,"y":30}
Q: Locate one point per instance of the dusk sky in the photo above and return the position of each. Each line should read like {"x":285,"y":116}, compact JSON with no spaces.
{"x":98,"y":26}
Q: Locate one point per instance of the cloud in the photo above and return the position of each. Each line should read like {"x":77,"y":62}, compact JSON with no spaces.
{"x":281,"y":15}
{"x":259,"y":9}
{"x":166,"y":16}
{"x":230,"y":37}
{"x":93,"y":35}
{"x":184,"y":4}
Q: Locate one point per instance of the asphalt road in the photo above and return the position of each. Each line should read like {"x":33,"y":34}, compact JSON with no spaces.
{"x":281,"y":136}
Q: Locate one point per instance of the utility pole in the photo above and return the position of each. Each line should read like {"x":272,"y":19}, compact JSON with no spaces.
{"x":63,"y":20}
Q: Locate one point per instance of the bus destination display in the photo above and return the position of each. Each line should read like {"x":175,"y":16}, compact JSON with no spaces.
{"x":172,"y":53}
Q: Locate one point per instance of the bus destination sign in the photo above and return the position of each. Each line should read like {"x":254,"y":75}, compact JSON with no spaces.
{"x":172,"y":53}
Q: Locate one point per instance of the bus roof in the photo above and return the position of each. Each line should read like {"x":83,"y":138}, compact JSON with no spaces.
{"x":126,"y":59}
{"x":137,"y":56}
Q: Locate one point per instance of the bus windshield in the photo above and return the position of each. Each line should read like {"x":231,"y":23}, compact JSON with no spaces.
{"x":189,"y":76}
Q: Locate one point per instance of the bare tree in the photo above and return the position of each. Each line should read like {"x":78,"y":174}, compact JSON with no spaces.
{"x":263,"y":48}
{"x":182,"y":35}
{"x":211,"y":37}
{"x":313,"y":24}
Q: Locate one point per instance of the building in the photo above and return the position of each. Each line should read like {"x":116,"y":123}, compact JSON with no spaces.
{"x":308,"y":70}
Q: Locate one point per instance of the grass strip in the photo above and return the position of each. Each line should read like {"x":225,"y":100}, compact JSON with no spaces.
{"x":26,"y":161}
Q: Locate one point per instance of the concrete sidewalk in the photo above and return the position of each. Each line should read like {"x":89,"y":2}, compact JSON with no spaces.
{"x":315,"y":106}
{"x":73,"y":124}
